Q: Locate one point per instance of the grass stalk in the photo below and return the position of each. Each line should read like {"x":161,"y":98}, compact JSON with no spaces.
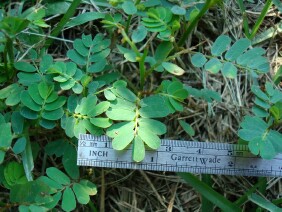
{"x":260,"y":19}
{"x":192,"y":25}
{"x":70,"y":12}
{"x":245,"y":19}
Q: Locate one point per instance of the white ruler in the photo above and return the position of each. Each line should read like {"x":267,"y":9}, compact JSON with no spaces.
{"x":179,"y":156}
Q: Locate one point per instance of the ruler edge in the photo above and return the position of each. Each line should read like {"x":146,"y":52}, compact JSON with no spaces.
{"x":200,"y":144}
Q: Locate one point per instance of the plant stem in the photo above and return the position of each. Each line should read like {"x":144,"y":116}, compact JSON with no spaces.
{"x":9,"y":58}
{"x":245,"y":19}
{"x":56,"y":31}
{"x":261,"y":18}
{"x":142,"y":68}
{"x":140,"y":58}
{"x":131,"y":44}
{"x":192,"y":25}
{"x":128,"y":23}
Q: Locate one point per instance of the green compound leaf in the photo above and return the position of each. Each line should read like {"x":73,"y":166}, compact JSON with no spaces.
{"x":80,"y":113}
{"x":163,"y":51}
{"x":258,"y":92}
{"x":213,"y":65}
{"x":250,"y":56}
{"x":123,"y":139}
{"x":173,"y":69}
{"x":261,"y":140}
{"x":187,"y":127}
{"x":125,"y":93}
{"x":153,"y":107}
{"x":90,"y":187}
{"x":139,"y":34}
{"x":86,"y":104}
{"x":99,"y":109}
{"x":44,"y":90}
{"x":69,"y":161}
{"x":5,"y":138}
{"x":198,"y":60}
{"x":58,"y":176}
{"x":174,"y":94}
{"x":54,"y":203}
{"x":20,"y":145}
{"x":159,"y":20}
{"x":120,"y":114}
{"x":237,"y":49}
{"x":68,"y":200}
{"x":101,"y":122}
{"x":53,"y":115}
{"x":178,"y":10}
{"x":26,"y":67}
{"x":81,"y":193}
{"x":84,"y":18}
{"x":17,"y":122}
{"x":90,"y":53}
{"x":220,"y":45}
{"x":12,"y":94}
{"x":34,"y":94}
{"x":28,"y":101}
{"x":229,"y":70}
{"x":129,"y":7}
{"x":30,"y":192}
{"x":240,"y":56}
{"x":109,"y":95}
{"x":14,"y":174}
{"x":68,"y":75}
{"x":155,"y":126}
{"x":151,"y":139}
{"x":28,"y":113}
{"x":51,"y":183}
{"x":120,"y":128}
{"x":138,"y":153}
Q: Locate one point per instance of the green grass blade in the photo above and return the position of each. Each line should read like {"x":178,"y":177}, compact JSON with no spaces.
{"x":245,"y":19}
{"x":206,"y":204}
{"x":260,"y":201}
{"x":210,"y":194}
{"x":56,"y":31}
{"x":244,"y":197}
{"x":260,"y":19}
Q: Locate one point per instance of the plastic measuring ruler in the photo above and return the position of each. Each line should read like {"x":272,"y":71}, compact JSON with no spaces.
{"x":179,"y":156}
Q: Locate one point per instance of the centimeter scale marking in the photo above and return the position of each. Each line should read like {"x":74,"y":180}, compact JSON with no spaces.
{"x":179,"y":156}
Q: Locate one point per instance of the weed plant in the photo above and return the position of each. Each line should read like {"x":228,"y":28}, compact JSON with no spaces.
{"x":123,"y":78}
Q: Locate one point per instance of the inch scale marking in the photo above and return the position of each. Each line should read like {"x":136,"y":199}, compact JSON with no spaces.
{"x":179,"y":156}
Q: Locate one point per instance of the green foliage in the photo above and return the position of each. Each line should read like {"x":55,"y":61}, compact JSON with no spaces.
{"x":41,"y":102}
{"x":260,"y":201}
{"x":228,"y":59}
{"x":82,"y":116}
{"x":137,"y":115}
{"x":5,"y":138}
{"x":259,"y":130}
{"x":47,"y":101}
{"x":68,"y":75}
{"x":161,"y":20}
